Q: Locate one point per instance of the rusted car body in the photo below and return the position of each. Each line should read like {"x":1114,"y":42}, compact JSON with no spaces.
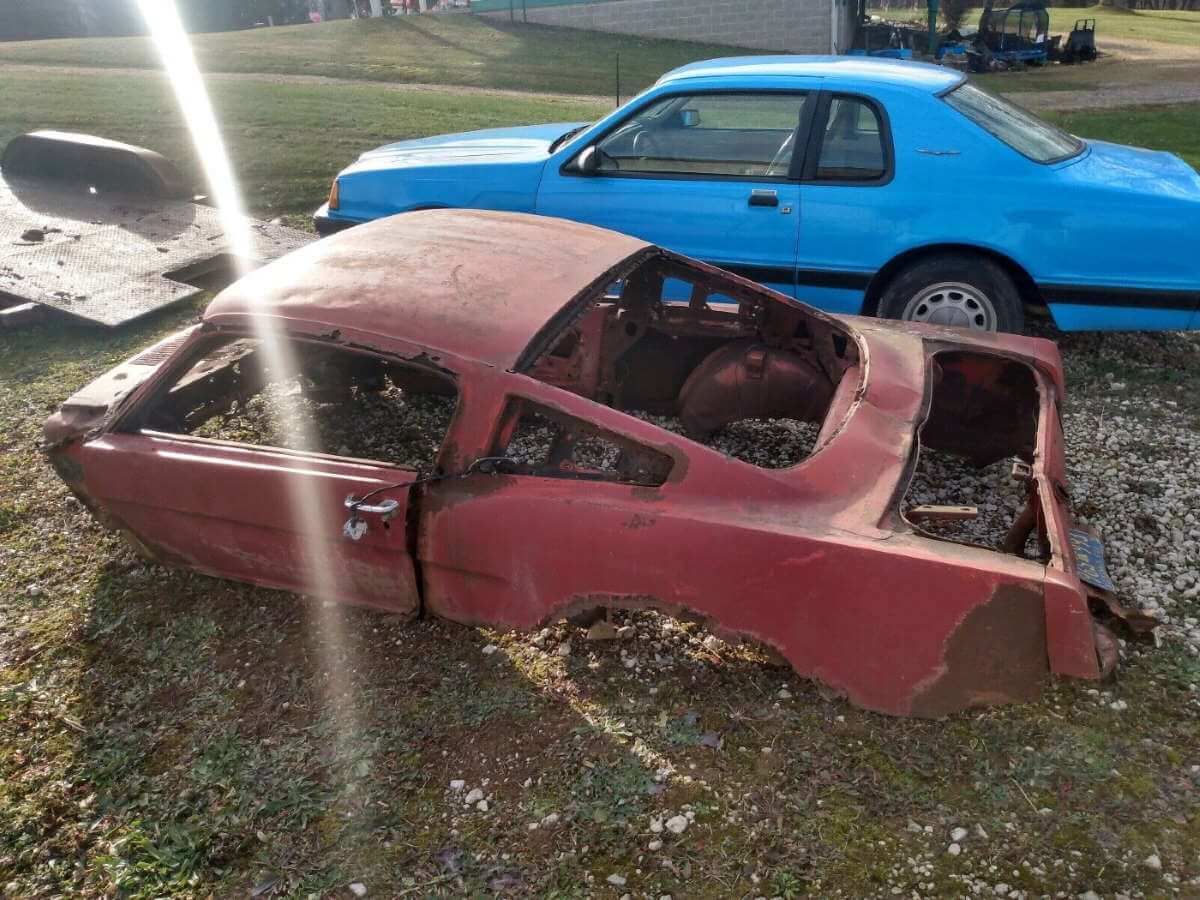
{"x":504,"y":320}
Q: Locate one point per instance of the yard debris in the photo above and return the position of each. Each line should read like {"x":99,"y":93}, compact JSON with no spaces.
{"x":677,"y":824}
{"x":602,"y":630}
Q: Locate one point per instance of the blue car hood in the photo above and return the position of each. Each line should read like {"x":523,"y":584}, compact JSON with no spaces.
{"x":1137,"y":170}
{"x":529,"y":143}
{"x":499,"y":168}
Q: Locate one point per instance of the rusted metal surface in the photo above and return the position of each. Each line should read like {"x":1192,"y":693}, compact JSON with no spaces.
{"x":95,"y":163}
{"x":467,"y":283}
{"x":743,"y":379}
{"x":814,"y":561}
{"x":110,"y":254}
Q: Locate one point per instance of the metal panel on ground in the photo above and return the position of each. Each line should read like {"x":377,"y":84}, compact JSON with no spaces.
{"x":110,"y":258}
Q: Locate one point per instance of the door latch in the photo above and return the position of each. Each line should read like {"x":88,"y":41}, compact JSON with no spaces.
{"x":764,"y":197}
{"x":356,"y":526}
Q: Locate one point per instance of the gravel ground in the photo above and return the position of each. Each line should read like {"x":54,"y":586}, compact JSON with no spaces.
{"x":945,"y":480}
{"x":392,"y":426}
{"x":1132,"y":451}
{"x":769,"y":443}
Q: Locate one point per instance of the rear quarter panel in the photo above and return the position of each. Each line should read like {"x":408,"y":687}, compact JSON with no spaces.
{"x":952,"y":185}
{"x":1070,"y":223}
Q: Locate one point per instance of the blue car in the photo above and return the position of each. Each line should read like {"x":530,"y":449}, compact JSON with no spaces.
{"x":861,"y":186}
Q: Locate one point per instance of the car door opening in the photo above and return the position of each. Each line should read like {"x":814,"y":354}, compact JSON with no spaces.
{"x":336,"y":402}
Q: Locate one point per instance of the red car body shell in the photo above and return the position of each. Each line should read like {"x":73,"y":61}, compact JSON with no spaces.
{"x":815,"y":561}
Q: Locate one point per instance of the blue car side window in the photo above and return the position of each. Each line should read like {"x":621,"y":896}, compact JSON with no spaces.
{"x":852,"y":146}
{"x":717,"y":134}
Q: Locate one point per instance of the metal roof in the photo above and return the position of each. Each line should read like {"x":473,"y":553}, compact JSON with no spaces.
{"x":468,"y":283}
{"x":844,"y":68}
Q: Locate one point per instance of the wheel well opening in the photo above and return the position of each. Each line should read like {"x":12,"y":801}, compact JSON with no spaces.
{"x":1030,"y":295}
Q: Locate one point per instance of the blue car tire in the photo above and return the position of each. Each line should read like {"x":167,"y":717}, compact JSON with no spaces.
{"x":959,"y":289}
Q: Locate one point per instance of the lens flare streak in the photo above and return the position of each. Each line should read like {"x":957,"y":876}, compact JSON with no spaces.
{"x":307,"y":504}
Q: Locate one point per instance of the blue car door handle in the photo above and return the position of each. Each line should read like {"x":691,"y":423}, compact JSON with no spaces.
{"x":759,"y":197}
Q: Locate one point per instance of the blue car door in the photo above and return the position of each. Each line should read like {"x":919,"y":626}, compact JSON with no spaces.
{"x":853,"y":213}
{"x":710,"y":174}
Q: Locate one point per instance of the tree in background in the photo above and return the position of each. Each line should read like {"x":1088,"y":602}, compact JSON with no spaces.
{"x":954,"y":11}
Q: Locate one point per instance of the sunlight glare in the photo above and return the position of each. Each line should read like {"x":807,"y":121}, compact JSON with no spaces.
{"x":308,"y":503}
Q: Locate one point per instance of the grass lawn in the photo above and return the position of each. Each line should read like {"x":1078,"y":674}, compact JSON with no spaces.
{"x":286,"y":141}
{"x":1163,"y":26}
{"x":1174,"y":128}
{"x":452,"y":50}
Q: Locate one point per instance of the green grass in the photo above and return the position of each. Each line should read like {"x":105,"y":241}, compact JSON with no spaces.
{"x":286,"y":141}
{"x":1163,"y":26}
{"x":1174,"y":128}
{"x":450,"y":50}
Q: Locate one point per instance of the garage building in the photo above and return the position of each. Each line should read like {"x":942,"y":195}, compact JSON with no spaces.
{"x":792,"y":26}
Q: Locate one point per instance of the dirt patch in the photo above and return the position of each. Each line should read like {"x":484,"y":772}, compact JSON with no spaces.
{"x":1109,"y":96}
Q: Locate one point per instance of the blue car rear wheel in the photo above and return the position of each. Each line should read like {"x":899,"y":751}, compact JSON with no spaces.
{"x":956,"y":289}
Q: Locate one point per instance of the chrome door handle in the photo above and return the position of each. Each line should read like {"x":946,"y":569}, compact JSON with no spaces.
{"x":383,"y":508}
{"x":760,"y":197}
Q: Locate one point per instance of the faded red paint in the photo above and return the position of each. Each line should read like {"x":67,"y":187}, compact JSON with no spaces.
{"x":815,"y":561}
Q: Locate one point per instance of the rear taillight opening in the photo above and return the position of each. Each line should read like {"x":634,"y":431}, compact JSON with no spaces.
{"x":973,"y":481}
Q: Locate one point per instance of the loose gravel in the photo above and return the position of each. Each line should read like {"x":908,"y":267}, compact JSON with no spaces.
{"x":942,"y":479}
{"x":393,"y":426}
{"x":767,"y":443}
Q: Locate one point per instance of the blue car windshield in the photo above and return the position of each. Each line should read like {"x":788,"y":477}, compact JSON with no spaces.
{"x":1019,"y":128}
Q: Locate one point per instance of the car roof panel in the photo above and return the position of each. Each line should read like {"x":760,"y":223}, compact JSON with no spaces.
{"x":474,"y":284}
{"x":859,"y":69}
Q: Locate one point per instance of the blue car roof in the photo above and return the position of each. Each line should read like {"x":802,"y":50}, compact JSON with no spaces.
{"x":857,"y":68}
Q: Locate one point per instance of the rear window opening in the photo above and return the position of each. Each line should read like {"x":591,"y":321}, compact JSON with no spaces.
{"x":318,"y":399}
{"x":702,"y":355}
{"x":971,"y":483}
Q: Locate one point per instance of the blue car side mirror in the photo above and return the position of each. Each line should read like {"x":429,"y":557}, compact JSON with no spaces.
{"x":588,"y":161}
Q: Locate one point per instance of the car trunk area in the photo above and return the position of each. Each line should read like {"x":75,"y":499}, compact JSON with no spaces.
{"x":972,"y":482}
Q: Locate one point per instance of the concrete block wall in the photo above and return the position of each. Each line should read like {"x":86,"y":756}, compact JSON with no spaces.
{"x":791,"y":26}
